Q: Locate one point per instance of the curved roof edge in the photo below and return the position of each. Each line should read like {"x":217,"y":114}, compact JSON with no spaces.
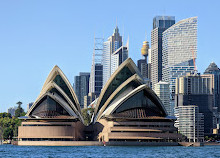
{"x":180,"y":22}
{"x":113,"y":107}
{"x":62,"y":103}
{"x":135,"y":77}
{"x":128,"y":62}
{"x":46,"y":89}
{"x":53,"y":73}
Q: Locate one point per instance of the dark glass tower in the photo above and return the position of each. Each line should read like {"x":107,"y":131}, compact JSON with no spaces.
{"x":81,"y":86}
{"x":160,"y":24}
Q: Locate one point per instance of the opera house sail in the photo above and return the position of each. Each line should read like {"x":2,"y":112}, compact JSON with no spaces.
{"x":54,"y":116}
{"x":127,"y":112}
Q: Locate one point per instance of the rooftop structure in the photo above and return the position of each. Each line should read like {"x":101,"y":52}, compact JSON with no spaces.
{"x":143,"y":64}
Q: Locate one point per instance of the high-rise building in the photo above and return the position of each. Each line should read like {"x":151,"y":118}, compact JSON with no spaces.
{"x":143,"y":63}
{"x":81,"y":86}
{"x":179,"y":52}
{"x":114,"y":53}
{"x":190,"y":122}
{"x":29,"y":105}
{"x":120,"y":55}
{"x":96,"y":75}
{"x":149,"y":64}
{"x":12,"y":110}
{"x":160,"y":24}
{"x":196,"y":89}
{"x":213,"y":69}
{"x":162,"y":90}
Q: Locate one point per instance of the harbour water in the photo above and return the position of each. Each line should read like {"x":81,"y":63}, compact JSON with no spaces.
{"x":110,"y":151}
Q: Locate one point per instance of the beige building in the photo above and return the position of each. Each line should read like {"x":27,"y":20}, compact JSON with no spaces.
{"x":128,"y":111}
{"x":55,"y":116}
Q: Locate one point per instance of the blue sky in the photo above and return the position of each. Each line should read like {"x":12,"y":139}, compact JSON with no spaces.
{"x":36,"y":35}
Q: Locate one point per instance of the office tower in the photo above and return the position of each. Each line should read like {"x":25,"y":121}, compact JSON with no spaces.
{"x":29,"y":105}
{"x":114,"y":53}
{"x":89,"y":99}
{"x":179,"y":52}
{"x":96,"y":75}
{"x":160,"y":24}
{"x":196,"y":89}
{"x":143,"y":63}
{"x":213,"y":69}
{"x":12,"y":110}
{"x":81,"y":86}
{"x":190,"y":123}
{"x":162,"y":90}
{"x":149,"y":64}
{"x":120,"y":55}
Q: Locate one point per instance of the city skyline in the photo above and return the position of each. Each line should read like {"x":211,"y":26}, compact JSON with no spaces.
{"x":28,"y":41}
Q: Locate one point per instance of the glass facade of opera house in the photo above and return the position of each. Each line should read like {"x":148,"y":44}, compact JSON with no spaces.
{"x":127,"y":111}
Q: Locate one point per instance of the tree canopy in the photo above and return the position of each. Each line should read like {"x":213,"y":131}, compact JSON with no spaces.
{"x":87,"y":115}
{"x":19,"y":111}
{"x":9,"y":125}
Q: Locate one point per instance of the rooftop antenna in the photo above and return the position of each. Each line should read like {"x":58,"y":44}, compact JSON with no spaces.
{"x":123,"y":34}
{"x":145,"y":35}
{"x":164,"y":11}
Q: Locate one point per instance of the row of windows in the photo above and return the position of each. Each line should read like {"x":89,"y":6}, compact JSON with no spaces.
{"x":46,"y":139}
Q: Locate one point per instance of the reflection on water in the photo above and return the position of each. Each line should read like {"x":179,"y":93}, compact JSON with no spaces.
{"x":109,"y":151}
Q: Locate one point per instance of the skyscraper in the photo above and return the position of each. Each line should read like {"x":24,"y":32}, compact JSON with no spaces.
{"x":81,"y":86}
{"x":96,"y":75}
{"x":160,"y":24}
{"x":196,"y":89}
{"x":162,"y":90}
{"x":213,"y":69}
{"x":114,"y":53}
{"x":179,"y":52}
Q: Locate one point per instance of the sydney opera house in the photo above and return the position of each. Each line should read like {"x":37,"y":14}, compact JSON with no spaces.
{"x":127,"y":112}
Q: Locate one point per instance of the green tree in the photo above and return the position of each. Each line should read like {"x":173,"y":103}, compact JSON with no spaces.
{"x":19,"y":111}
{"x":87,"y":115}
{"x":5,"y":114}
{"x":8,"y":133}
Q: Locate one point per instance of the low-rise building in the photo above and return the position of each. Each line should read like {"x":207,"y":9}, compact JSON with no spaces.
{"x":190,"y":122}
{"x":162,"y":89}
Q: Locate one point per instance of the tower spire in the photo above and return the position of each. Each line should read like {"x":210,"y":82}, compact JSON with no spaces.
{"x":145,"y":35}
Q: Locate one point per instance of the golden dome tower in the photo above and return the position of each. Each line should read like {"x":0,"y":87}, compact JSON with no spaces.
{"x":144,"y":49}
